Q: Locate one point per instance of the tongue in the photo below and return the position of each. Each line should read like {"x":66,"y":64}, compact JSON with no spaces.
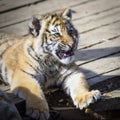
{"x":64,"y":54}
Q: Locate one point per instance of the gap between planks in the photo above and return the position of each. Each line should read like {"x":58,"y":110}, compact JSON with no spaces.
{"x":7,"y":6}
{"x":105,"y":49}
{"x":20,"y":15}
{"x":10,"y":18}
{"x":101,"y":66}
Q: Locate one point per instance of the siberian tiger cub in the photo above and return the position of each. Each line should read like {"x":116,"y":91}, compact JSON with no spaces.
{"x":44,"y":59}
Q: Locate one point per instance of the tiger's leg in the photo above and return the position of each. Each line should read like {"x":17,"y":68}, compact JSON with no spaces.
{"x":8,"y":111}
{"x":76,"y":86}
{"x":26,"y":87}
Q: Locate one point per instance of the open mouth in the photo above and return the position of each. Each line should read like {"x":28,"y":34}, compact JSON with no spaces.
{"x":65,"y":54}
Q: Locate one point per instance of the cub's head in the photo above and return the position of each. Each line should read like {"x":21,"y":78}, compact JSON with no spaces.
{"x":57,"y":34}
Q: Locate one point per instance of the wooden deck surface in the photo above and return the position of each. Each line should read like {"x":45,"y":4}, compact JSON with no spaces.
{"x":98,"y":23}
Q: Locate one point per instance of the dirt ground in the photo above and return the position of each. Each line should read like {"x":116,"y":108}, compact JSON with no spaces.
{"x":57,"y":98}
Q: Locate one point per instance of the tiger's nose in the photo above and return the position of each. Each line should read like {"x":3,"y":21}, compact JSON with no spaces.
{"x":71,"y":46}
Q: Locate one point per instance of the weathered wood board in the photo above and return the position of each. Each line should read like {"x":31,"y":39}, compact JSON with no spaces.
{"x":19,"y":16}
{"x":104,"y":76}
{"x":98,"y":20}
{"x":100,"y":35}
{"x":104,"y":49}
{"x":6,"y":5}
{"x":100,"y":66}
{"x":25,"y":13}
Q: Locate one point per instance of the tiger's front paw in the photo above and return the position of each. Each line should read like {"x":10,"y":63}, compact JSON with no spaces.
{"x":37,"y":115}
{"x":84,"y":100}
{"x":38,"y":110}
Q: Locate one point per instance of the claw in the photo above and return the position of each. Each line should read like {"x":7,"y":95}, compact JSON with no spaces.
{"x":84,"y":100}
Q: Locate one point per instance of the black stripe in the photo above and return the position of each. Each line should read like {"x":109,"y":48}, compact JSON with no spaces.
{"x":67,"y":76}
{"x":54,"y":20}
{"x":64,"y":78}
{"x":36,"y":58}
{"x":32,"y":67}
{"x":48,"y":31}
{"x":27,"y":73}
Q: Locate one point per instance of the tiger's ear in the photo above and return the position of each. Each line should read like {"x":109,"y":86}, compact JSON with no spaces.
{"x":67,"y":14}
{"x":34,"y":26}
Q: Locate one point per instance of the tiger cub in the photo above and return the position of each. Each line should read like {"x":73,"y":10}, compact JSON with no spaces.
{"x":44,"y":59}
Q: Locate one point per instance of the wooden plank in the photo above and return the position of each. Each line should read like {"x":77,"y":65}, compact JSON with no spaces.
{"x":113,"y":94}
{"x":106,"y":48}
{"x":97,"y":20}
{"x":107,"y":107}
{"x":95,"y":7}
{"x":6,"y":5}
{"x":18,"y":29}
{"x":22,"y":27}
{"x":19,"y":15}
{"x":99,"y":35}
{"x":109,"y":101}
{"x":104,"y":76}
{"x":25,"y":13}
{"x":101,"y":66}
{"x":93,"y":22}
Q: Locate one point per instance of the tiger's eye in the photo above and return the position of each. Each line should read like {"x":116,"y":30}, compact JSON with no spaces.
{"x":71,"y":31}
{"x":57,"y":34}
